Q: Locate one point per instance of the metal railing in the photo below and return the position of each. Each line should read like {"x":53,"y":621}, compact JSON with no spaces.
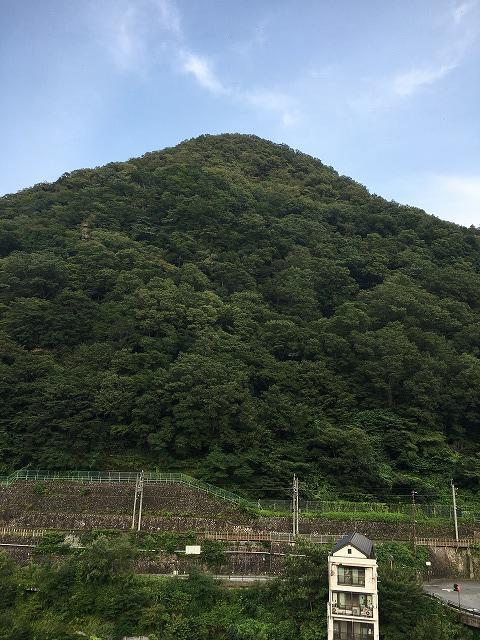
{"x":342,"y":506}
{"x":468,"y":617}
{"x":284,"y":506}
{"x":266,"y":536}
{"x":149,"y":477}
{"x":357,"y":611}
{"x":233,"y":536}
{"x":446,"y":542}
{"x":22,"y":533}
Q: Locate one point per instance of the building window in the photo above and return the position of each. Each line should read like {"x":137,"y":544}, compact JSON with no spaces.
{"x":345,"y":630}
{"x":351,"y":575}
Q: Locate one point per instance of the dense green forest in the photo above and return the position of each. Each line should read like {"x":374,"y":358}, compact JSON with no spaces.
{"x":95,"y":594}
{"x":237,"y":309}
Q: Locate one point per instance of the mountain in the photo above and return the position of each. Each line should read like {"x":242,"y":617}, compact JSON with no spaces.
{"x":237,"y":309}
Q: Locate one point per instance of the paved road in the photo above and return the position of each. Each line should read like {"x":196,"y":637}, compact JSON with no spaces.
{"x":469,"y":592}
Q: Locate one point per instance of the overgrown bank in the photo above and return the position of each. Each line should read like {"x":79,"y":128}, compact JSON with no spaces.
{"x":94,"y":592}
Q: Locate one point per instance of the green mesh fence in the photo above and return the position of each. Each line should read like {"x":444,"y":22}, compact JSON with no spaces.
{"x":149,"y":477}
{"x":152,"y":477}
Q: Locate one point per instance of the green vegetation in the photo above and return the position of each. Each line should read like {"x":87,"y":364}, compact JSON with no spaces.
{"x":238,"y":310}
{"x":93,"y":593}
{"x":51,"y":542}
{"x":41,"y":489}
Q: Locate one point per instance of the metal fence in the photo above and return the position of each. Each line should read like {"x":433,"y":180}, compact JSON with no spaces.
{"x":23,"y":533}
{"x":149,"y":477}
{"x":342,"y":506}
{"x":268,"y":536}
{"x":447,"y":542}
{"x":279,"y":505}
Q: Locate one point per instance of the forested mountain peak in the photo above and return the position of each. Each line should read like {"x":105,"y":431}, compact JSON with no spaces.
{"x":237,"y":309}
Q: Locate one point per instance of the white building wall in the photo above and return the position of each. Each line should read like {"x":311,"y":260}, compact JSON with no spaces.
{"x":353,"y":558}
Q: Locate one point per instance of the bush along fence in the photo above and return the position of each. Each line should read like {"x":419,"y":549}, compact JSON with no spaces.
{"x":429,"y":510}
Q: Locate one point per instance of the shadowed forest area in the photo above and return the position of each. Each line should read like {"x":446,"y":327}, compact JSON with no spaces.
{"x":93,"y":593}
{"x":236,"y":309}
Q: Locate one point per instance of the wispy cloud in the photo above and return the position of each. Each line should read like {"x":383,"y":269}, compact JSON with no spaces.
{"x":407,"y":83}
{"x":131,"y":29}
{"x":169,"y":16}
{"x":266,"y":100}
{"x":459,"y":34}
{"x":201,"y":69}
{"x":136,"y":32}
{"x":274,"y":102}
{"x":460,"y":11}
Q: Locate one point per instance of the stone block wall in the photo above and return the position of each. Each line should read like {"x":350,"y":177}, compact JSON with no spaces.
{"x":168,"y":507}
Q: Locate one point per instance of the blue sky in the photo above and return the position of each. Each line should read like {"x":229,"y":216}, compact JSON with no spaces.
{"x":386,"y":91}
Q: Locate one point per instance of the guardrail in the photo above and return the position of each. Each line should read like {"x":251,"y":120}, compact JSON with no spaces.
{"x":260,"y":536}
{"x":22,"y":533}
{"x":464,"y":543}
{"x":267,"y":536}
{"x":232,"y":536}
{"x":468,"y":617}
{"x":152,"y":477}
{"x":149,"y":477}
{"x":431,"y":510}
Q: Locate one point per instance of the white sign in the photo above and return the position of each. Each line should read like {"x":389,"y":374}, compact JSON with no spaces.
{"x":193,"y":550}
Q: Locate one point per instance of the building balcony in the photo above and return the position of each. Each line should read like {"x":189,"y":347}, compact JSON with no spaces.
{"x":359,"y":611}
{"x":352,"y":631}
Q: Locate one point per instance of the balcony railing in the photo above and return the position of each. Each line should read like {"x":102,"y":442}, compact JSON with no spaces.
{"x":363,"y":611}
{"x":351,"y":582}
{"x":348,"y":635}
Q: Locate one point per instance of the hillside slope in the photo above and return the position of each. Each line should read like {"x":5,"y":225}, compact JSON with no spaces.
{"x":239,"y":310}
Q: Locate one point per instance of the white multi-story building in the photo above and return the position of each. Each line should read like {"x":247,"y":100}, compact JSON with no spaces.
{"x":352,"y":610}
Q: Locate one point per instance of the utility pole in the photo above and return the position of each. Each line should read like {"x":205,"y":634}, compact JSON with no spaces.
{"x":414,"y":518}
{"x":137,"y":516}
{"x":454,"y":498}
{"x":140,"y":486}
{"x":295,"y":505}
{"x":135,"y":504}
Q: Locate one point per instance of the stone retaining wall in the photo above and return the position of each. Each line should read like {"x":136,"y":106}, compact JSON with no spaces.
{"x":168,"y":507}
{"x":114,"y":498}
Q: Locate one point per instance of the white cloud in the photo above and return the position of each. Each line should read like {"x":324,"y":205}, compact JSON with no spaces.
{"x":405,"y":84}
{"x":200,"y":68}
{"x":269,"y":101}
{"x":169,"y":16}
{"x":448,"y":196}
{"x":136,"y":31}
{"x":131,"y":29}
{"x":459,"y":11}
{"x":458,"y":37}
{"x":275,"y":102}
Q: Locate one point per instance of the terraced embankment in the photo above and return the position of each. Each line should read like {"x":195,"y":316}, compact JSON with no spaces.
{"x":173,"y":506}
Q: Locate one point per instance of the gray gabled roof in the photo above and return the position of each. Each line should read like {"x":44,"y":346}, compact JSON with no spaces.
{"x":361,"y":543}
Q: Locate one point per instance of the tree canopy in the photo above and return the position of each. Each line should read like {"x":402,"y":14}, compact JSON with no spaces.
{"x":237,"y":309}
